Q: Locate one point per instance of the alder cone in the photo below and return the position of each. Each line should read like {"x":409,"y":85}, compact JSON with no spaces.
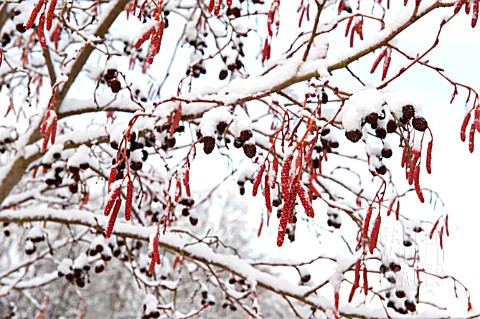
{"x":381,"y":133}
{"x":387,"y":153}
{"x":382,"y":170}
{"x":400,"y":294}
{"x":20,"y":28}
{"x":110,"y":74}
{"x":408,"y":111}
{"x":208,"y":144}
{"x":193,"y":220}
{"x":250,"y":150}
{"x":245,"y":135}
{"x":237,"y":143}
{"x":116,"y":86}
{"x":324,"y":98}
{"x":354,"y":135}
{"x":223,"y":74}
{"x":410,"y":306}
{"x":391,"y":126}
{"x":372,"y":118}
{"x":221,"y":126}
{"x":419,"y":123}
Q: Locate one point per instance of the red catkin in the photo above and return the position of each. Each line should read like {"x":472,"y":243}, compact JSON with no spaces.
{"x":211,"y":5}
{"x":287,"y":213}
{"x":467,"y":7}
{"x":53,"y":130}
{"x":441,"y":237}
{"x":390,"y":207}
{"x":356,"y":282}
{"x":397,"y":211}
{"x":475,"y":13}
{"x":113,"y":217}
{"x":433,"y":228}
{"x":266,"y":51}
{"x":45,"y":139}
{"x":144,"y":37}
{"x":377,"y":60}
{"x":307,"y":205}
{"x":477,"y":117}
{"x":275,"y":169}
{"x":266,"y":194}
{"x":129,"y":200}
{"x":366,"y":222}
{"x":216,"y":11}
{"x":365,"y":281}
{"x":186,"y":182}
{"x":151,"y":267}
{"x":418,"y":190}
{"x":285,"y":176}
{"x":34,"y":14}
{"x":471,"y":139}
{"x":464,"y":126}
{"x":156,"y":42}
{"x":154,"y":255}
{"x":337,"y":303}
{"x":55,"y":35}
{"x":45,"y":123}
{"x":349,"y":24}
{"x":51,"y":10}
{"x":404,"y":157}
{"x":178,"y":190}
{"x":112,"y":177}
{"x":446,"y":226}
{"x":386,"y":64}
{"x":458,"y":6}
{"x":359,"y":29}
{"x":41,"y":31}
{"x":113,"y":196}
{"x":258,"y":179}
{"x":372,"y":243}
{"x":429,"y":157}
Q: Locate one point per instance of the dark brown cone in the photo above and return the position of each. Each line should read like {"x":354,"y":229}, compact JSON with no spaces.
{"x":410,"y":306}
{"x":391,"y":126}
{"x":419,"y":123}
{"x":354,"y":136}
{"x":116,"y":86}
{"x":208,"y":144}
{"x":245,"y":135}
{"x":387,"y":153}
{"x":221,"y":126}
{"x":408,"y":111}
{"x":237,"y":143}
{"x":381,"y":132}
{"x":372,"y":118}
{"x":382,"y":170}
{"x":250,"y":150}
